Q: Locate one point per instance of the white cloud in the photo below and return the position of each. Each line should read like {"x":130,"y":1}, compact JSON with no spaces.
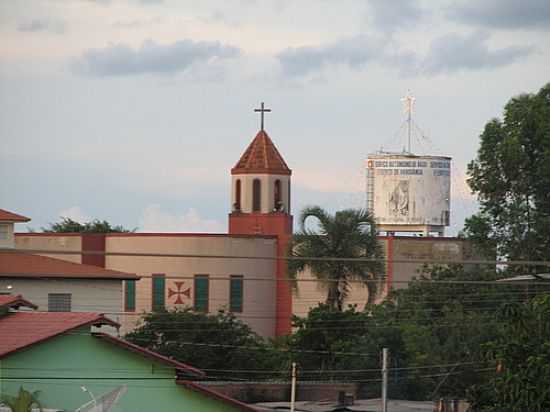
{"x":75,"y":213}
{"x":154,"y":219}
{"x":151,"y":57}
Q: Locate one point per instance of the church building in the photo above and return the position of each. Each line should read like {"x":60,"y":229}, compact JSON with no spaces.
{"x":240,"y":271}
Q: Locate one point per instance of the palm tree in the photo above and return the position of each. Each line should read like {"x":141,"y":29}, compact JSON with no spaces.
{"x":25,"y":401}
{"x":349,"y":233}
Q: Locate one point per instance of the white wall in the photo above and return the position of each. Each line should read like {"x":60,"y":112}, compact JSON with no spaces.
{"x":99,"y":296}
{"x":268,"y":191}
{"x":7,"y":230}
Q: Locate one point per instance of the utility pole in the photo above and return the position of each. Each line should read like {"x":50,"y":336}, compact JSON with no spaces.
{"x":384,"y":379}
{"x":293,"y":388}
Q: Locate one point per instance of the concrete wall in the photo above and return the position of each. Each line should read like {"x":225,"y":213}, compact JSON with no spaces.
{"x":253,"y":392}
{"x":151,"y":385}
{"x":444,"y":249}
{"x":259,"y":288}
{"x":309,"y":294}
{"x":49,"y":241}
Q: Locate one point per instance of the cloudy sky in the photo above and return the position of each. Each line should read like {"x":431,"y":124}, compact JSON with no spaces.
{"x":134,"y":111}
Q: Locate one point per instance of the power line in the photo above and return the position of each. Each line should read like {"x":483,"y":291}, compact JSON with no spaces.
{"x":287,"y":258}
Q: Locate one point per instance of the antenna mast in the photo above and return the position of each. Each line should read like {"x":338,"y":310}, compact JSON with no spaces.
{"x":408,"y":103}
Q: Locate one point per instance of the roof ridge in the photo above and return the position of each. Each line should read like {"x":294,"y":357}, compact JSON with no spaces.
{"x":147,"y":352}
{"x":66,"y":321}
{"x":7,"y":216}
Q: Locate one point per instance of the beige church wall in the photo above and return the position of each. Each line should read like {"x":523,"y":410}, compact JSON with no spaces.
{"x":7,"y":231}
{"x":437,"y":249}
{"x":66,"y":242}
{"x":309,"y":293}
{"x":258,"y":294}
{"x":267,"y":191}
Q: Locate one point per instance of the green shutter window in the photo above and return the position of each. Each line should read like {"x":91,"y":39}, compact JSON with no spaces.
{"x":130,"y":297}
{"x":201,"y":293}
{"x":236,"y":293}
{"x":159,"y":284}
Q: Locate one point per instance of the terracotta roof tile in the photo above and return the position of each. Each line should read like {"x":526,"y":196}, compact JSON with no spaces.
{"x":7,"y":216}
{"x":25,"y":265}
{"x":15,"y":301}
{"x":20,"y":330}
{"x":261,"y":156}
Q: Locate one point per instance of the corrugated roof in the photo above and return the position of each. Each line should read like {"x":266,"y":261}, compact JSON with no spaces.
{"x":261,"y":156}
{"x":20,"y":330}
{"x":24,"y":265}
{"x":7,"y":216}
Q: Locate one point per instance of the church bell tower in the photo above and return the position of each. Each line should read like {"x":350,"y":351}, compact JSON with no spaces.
{"x":260,"y":205}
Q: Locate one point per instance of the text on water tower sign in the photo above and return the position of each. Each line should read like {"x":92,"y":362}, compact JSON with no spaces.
{"x":410,"y":167}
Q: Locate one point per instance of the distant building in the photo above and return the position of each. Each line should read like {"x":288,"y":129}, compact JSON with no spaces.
{"x":57,"y":285}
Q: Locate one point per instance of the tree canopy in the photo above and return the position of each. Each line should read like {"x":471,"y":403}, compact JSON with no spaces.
{"x":522,"y":355}
{"x":216,"y":343}
{"x":68,"y":225}
{"x":348,"y":233}
{"x":511,"y":178}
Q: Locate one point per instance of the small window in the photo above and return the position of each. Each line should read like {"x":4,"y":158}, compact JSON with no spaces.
{"x":59,"y":302}
{"x":277,"y":196}
{"x":130,"y":296}
{"x":201,"y":293}
{"x":256,"y":195}
{"x":238,"y":196}
{"x":3,"y":232}
{"x":159,"y":284}
{"x":236,"y":293}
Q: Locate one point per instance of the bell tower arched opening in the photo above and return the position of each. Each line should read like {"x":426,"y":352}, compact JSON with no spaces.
{"x":256,"y":195}
{"x":237,"y":204}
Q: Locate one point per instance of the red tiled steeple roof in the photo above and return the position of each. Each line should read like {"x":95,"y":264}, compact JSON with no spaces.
{"x":6,"y":216}
{"x":261,"y":156}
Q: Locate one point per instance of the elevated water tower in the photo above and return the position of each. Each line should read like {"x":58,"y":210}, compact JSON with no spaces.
{"x":407,"y":192}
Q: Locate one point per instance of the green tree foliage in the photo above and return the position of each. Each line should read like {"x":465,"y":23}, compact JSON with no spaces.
{"x":522,"y":355}
{"x":342,"y":345}
{"x":445,"y":324}
{"x":25,"y":401}
{"x":511,"y":177}
{"x":67,"y":225}
{"x":348,"y":234}
{"x":218,"y":342}
{"x":325,"y":338}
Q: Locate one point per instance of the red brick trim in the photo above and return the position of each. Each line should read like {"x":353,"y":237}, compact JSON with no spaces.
{"x":92,"y":242}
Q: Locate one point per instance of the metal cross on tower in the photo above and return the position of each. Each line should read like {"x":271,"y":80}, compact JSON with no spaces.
{"x":262,"y":110}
